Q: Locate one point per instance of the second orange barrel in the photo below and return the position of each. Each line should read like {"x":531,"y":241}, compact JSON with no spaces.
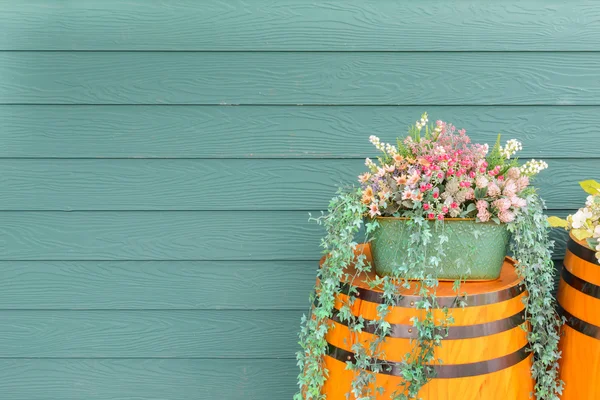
{"x":579,"y":301}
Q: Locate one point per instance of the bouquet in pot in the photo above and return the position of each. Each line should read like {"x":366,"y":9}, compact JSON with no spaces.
{"x":437,"y":173}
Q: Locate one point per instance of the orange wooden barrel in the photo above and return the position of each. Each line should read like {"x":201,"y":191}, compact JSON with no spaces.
{"x":484,"y":356}
{"x":579,"y":303}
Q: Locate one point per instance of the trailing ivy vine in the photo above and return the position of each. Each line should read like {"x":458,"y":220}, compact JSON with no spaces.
{"x":530,"y":246}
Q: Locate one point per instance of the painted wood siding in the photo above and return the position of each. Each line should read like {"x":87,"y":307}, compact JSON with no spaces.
{"x":159,"y":159}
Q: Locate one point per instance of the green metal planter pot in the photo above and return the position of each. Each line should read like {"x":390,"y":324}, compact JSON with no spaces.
{"x":474,"y":251}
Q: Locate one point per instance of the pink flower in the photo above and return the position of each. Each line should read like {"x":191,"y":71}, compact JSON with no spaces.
{"x":414,"y":178}
{"x":481,"y":181}
{"x":445,"y":210}
{"x":401,"y":180}
{"x":518,"y":202}
{"x":472,"y":174}
{"x":436,"y":195}
{"x":482,"y":205}
{"x":407,"y":194}
{"x":513,"y":173}
{"x":440,"y":175}
{"x":470,"y":194}
{"x":522,"y":183}
{"x":454,"y":205}
{"x":390,"y":168}
{"x":502,"y":204}
{"x":483,"y":215}
{"x":426,"y":206}
{"x":506,"y":216}
{"x":374,"y":210}
{"x":441,"y":217}
{"x":431,"y":215}
{"x":364,"y":178}
{"x":493,"y":190}
{"x":510,"y":188}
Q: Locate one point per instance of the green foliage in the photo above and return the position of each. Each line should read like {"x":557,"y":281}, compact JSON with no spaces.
{"x":531,"y":248}
{"x":495,"y":157}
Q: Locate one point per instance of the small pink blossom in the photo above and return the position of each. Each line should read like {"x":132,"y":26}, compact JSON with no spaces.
{"x":441,"y":217}
{"x":510,"y":188}
{"x":482,"y":205}
{"x":506,"y":216}
{"x":401,"y":180}
{"x":390,"y":168}
{"x":436,"y":195}
{"x":364,"y":178}
{"x":483,"y":215}
{"x":493,"y":190}
{"x":426,"y":206}
{"x":522,"y":183}
{"x":481,"y":181}
{"x":445,"y":210}
{"x":431,"y":215}
{"x":374,"y":210}
{"x":414,"y":178}
{"x":513,"y":173}
{"x":502,"y":204}
{"x":454,"y":205}
{"x":518,"y":202}
{"x":470,"y":194}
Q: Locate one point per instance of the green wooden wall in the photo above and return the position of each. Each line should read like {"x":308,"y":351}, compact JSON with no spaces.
{"x":158,"y":160}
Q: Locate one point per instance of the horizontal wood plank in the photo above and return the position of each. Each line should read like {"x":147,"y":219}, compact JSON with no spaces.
{"x":93,"y":285}
{"x":200,"y":235}
{"x":150,"y":334}
{"x":159,"y":285}
{"x":230,"y":78}
{"x":271,"y":184}
{"x":155,"y":379}
{"x":277,"y":131}
{"x":299,"y":25}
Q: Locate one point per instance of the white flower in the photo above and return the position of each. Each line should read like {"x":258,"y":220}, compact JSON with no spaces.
{"x":512,"y":146}
{"x":533,"y":167}
{"x":370,"y":164}
{"x":390,"y":149}
{"x":589,"y":201}
{"x":581,"y":217}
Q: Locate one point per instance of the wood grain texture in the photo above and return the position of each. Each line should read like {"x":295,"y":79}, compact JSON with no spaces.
{"x":199,"y":235}
{"x":272,"y":184}
{"x":154,"y":379}
{"x":150,"y":334}
{"x":509,"y":383}
{"x":277,"y":131}
{"x":163,"y":285}
{"x":299,"y":25}
{"x":227,"y":78}
{"x":136,"y":285}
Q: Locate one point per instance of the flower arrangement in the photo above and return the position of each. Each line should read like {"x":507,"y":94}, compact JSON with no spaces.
{"x":585,"y":223}
{"x":433,"y":174}
{"x":437,"y":172}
